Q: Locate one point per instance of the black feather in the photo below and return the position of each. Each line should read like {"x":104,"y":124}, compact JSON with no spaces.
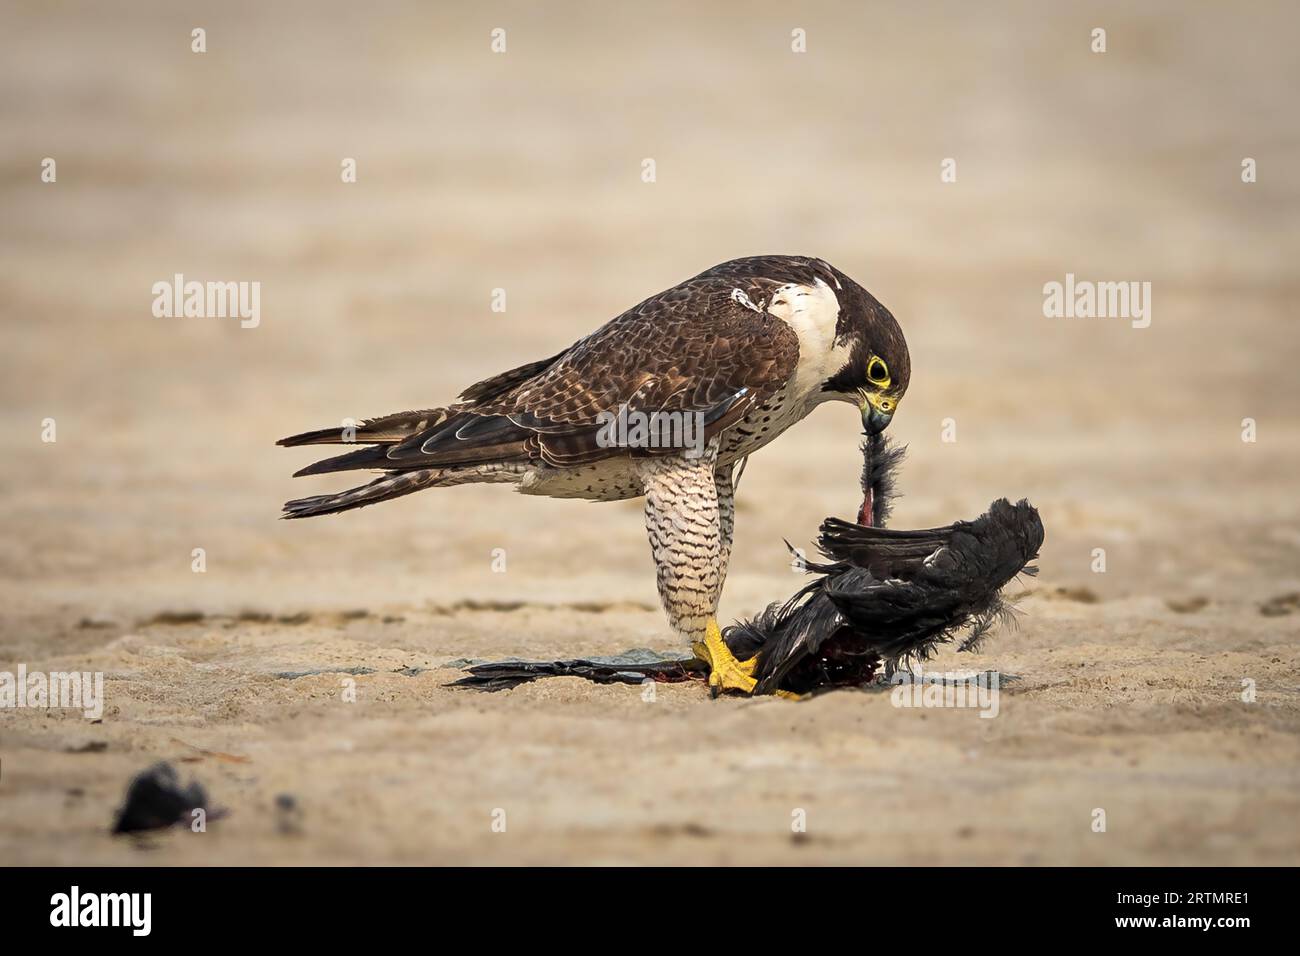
{"x":888,"y":596}
{"x":630,"y":667}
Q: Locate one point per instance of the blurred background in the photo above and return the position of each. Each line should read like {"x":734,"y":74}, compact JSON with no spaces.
{"x":522,"y":171}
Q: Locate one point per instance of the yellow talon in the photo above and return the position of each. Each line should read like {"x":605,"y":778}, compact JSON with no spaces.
{"x":725,"y":671}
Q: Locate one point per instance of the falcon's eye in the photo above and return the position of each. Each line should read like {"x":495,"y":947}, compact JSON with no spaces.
{"x":877,"y":371}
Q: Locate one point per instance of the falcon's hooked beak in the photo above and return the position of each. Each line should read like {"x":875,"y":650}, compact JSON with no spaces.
{"x":877,"y":411}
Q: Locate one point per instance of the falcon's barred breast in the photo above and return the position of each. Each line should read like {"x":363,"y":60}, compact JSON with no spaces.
{"x":745,"y":349}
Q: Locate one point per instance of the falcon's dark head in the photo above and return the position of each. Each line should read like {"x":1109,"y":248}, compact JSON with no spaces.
{"x":878,"y":367}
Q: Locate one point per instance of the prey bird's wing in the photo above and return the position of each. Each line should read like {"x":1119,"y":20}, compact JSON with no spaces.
{"x":895,"y":594}
{"x":995,"y":546}
{"x":884,"y":552}
{"x":630,"y":667}
{"x":912,"y":603}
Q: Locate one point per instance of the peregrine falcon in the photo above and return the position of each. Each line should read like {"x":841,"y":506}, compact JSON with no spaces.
{"x":730,"y":359}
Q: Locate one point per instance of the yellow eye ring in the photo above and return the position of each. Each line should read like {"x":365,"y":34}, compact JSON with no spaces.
{"x":877,"y":371}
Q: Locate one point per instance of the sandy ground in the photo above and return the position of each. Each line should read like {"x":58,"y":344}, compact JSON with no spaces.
{"x":522,"y":171}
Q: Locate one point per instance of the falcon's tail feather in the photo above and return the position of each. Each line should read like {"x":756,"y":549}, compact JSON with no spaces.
{"x":392,"y":485}
{"x":385,"y":430}
{"x":371,"y":456}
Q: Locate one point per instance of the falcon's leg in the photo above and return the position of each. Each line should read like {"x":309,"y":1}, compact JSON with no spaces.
{"x":726,"y":523}
{"x":725,"y":480}
{"x":685,"y":524}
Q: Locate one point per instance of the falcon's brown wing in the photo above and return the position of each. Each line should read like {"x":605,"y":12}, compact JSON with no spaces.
{"x":696,"y":348}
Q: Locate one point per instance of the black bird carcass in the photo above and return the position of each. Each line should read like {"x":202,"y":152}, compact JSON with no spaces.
{"x":881,"y":598}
